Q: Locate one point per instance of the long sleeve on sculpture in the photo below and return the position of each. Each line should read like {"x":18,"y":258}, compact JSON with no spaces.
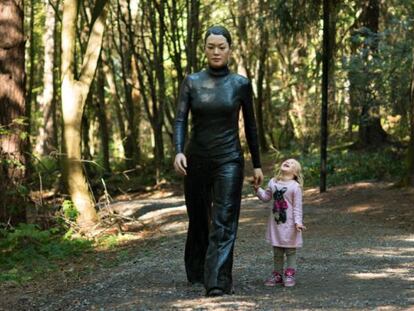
{"x":181,"y":120}
{"x":250,"y":124}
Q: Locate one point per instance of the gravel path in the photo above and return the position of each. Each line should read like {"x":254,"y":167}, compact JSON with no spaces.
{"x":351,"y":259}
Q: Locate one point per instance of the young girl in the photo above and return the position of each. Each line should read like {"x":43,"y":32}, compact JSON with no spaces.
{"x":285,"y":225}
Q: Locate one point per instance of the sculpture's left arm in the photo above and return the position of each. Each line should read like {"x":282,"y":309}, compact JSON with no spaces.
{"x":250,"y":123}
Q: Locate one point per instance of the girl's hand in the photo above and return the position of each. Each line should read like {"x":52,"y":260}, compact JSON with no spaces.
{"x":300,"y":227}
{"x":180,"y":164}
{"x":255,"y":187}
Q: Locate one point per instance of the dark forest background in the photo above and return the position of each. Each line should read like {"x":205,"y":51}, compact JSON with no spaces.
{"x":88,"y":91}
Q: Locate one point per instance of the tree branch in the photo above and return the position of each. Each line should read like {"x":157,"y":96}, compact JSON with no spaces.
{"x":94,"y":45}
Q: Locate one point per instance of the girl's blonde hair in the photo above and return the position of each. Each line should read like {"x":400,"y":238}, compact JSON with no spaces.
{"x":298,"y":174}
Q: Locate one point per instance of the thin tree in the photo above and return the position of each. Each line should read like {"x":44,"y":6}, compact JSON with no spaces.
{"x":151,"y":73}
{"x":132,"y":151}
{"x":410,"y":173}
{"x":263,"y":54}
{"x":74,"y":94}
{"x":371,"y":133}
{"x":46,"y":137}
{"x":103,"y":121}
{"x":325,"y":88}
{"x":193,"y":33}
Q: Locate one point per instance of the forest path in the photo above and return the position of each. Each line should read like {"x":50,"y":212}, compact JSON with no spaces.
{"x":358,"y":254}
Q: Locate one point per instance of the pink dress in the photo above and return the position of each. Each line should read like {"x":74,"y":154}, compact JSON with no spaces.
{"x":288,"y":197}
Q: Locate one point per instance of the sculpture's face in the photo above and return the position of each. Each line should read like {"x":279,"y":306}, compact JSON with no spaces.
{"x":217,"y":50}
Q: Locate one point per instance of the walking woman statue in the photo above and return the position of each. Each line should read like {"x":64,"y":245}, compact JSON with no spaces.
{"x":212,"y":162}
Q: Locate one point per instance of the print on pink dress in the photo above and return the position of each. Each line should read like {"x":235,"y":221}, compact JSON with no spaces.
{"x":279,"y":205}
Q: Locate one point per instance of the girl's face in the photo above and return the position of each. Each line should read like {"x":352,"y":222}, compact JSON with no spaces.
{"x":217,"y":51}
{"x":290,"y":166}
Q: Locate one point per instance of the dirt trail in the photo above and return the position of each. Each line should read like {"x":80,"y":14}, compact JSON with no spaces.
{"x":358,"y":254}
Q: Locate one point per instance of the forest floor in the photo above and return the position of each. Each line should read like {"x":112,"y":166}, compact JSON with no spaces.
{"x":358,"y":254}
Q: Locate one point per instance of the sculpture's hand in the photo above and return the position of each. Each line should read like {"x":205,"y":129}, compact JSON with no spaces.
{"x":257,"y":177}
{"x":180,"y":164}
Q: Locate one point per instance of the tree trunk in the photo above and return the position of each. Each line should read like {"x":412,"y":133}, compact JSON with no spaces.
{"x":29,"y":93}
{"x":74,"y":94}
{"x":240,"y":23}
{"x":115,"y":102}
{"x":45,"y":138}
{"x":152,"y":65}
{"x":353,"y":97}
{"x":333,"y":108}
{"x":325,"y":90}
{"x":87,"y":116}
{"x":159,"y":119}
{"x":12,"y":111}
{"x":136,"y":100}
{"x":193,"y":34}
{"x":410,"y":154}
{"x":103,"y":123}
{"x":260,"y":78}
{"x":371,"y":133}
{"x":131,"y":139}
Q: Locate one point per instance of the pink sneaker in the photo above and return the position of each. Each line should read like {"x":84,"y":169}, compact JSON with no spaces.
{"x":289,"y":277}
{"x":274,"y":279}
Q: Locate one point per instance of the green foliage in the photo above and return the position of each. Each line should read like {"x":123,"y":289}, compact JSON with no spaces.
{"x":69,"y":210}
{"x":345,"y":167}
{"x":109,"y":242}
{"x":382,"y":78}
{"x":46,"y":169}
{"x":28,"y":251}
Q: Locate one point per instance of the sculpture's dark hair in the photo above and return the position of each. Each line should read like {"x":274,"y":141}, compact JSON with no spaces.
{"x":218,"y":30}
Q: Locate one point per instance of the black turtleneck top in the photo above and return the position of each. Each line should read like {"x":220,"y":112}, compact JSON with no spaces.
{"x":214,"y":97}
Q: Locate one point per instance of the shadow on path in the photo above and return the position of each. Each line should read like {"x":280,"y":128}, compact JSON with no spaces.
{"x":350,"y":260}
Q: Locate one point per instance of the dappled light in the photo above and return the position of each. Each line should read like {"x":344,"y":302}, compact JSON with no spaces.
{"x":404,"y":274}
{"x":344,"y":262}
{"x":121,"y":121}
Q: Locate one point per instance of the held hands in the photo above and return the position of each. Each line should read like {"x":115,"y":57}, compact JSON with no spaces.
{"x":300,"y":227}
{"x":257,"y":178}
{"x":180,"y":164}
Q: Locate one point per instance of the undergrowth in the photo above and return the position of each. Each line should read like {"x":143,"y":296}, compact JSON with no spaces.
{"x":27,"y":251}
{"x":345,"y":166}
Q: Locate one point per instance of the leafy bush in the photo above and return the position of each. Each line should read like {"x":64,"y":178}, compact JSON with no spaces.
{"x":69,"y":210}
{"x":345,"y":167}
{"x":27,"y":251}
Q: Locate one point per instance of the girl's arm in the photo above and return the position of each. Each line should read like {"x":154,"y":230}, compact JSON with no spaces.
{"x":297,"y":207}
{"x":265,"y":195}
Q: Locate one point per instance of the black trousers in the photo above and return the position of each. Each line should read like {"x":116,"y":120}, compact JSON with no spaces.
{"x":213,"y":194}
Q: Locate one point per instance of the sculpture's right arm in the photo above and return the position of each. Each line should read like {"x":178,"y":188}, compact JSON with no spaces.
{"x":183,"y":108}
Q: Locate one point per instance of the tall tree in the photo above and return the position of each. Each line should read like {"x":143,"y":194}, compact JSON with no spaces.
{"x":261,"y":71}
{"x":127,"y":104}
{"x":74,"y":94}
{"x":410,"y":172}
{"x":46,"y":138}
{"x":151,"y":73}
{"x":333,"y":107}
{"x":12,"y":109}
{"x":193,"y":33}
{"x":102,"y":117}
{"x":327,"y":52}
{"x":132,"y":151}
{"x":371,"y":133}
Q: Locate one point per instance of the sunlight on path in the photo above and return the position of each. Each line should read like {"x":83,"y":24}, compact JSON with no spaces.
{"x":347,"y":262}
